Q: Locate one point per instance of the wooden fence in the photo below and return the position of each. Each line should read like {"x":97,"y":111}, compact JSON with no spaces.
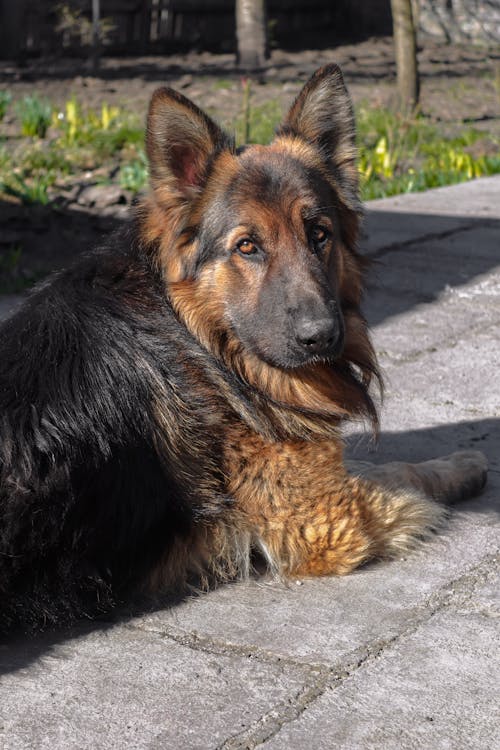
{"x":48,"y":27}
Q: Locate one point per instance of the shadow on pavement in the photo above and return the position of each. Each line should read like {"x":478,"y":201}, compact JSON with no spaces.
{"x":411,"y":274}
{"x":37,"y":239}
{"x":429,"y":442}
{"x":19,"y":651}
{"x":415,"y":267}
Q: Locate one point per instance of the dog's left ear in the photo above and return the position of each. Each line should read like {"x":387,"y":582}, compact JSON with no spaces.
{"x":180,"y":142}
{"x":322,"y":114}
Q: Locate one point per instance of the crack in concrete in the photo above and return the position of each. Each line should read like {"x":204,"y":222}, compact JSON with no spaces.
{"x":318,"y":677}
{"x":285,"y":712}
{"x":483,"y":223}
{"x":453,"y":593}
{"x":445,"y":344}
{"x":209,"y":645}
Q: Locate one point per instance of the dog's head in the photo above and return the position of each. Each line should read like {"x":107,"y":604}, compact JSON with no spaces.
{"x":257,"y":245}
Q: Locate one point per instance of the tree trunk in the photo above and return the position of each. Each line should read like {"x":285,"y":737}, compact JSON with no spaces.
{"x":96,"y":34}
{"x":11,"y":15}
{"x":405,"y":47}
{"x":251,"y":33}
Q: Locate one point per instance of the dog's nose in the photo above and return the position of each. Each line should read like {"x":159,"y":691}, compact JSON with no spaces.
{"x":317,"y":336}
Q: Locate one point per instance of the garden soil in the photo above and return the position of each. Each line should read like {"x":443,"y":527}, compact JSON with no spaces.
{"x":460,"y":88}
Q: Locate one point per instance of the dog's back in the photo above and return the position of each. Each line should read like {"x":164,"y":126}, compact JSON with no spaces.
{"x":175,"y":400}
{"x":87,"y":506}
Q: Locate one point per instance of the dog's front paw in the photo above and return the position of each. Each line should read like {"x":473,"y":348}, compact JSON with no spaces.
{"x":467,"y":472}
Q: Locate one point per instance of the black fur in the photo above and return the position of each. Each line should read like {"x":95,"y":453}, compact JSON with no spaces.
{"x":91,"y":489}
{"x":115,"y":420}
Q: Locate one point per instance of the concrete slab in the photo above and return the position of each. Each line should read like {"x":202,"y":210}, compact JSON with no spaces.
{"x":478,"y":199}
{"x":399,"y":654}
{"x":462,"y":267}
{"x":403,"y":338}
{"x":124,"y":688}
{"x":454,"y":383}
{"x":435,"y":689}
{"x":336,"y":621}
{"x":393,"y":222}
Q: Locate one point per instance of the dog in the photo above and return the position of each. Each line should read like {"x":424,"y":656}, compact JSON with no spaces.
{"x":174,"y":400}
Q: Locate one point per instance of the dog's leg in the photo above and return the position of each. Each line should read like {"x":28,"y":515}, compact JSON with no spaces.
{"x":311,"y":518}
{"x":447,"y":479}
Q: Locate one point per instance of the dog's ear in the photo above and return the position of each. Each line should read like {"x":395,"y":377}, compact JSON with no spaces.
{"x":322,"y":114}
{"x":180,"y":142}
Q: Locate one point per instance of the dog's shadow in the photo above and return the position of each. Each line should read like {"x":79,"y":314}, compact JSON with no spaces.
{"x":417,"y":445}
{"x":19,"y":651}
{"x":429,"y":442}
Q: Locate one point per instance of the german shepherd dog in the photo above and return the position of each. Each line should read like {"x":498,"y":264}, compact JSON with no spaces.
{"x":174,"y":400}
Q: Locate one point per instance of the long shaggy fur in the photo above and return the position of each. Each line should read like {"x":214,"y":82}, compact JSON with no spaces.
{"x":162,"y":410}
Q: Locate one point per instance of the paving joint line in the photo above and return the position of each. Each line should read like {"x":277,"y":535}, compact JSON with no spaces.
{"x":445,"y":596}
{"x":318,"y":677}
{"x":271,"y":723}
{"x":403,"y":244}
{"x":209,"y":645}
{"x":414,"y":355}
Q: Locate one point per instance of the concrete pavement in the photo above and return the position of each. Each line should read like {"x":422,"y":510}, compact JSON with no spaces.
{"x":399,"y":655}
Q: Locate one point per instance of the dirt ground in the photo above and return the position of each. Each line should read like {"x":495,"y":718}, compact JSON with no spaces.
{"x":458,"y":82}
{"x":459,"y":85}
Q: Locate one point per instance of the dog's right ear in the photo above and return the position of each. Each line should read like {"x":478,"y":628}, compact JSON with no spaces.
{"x":322,"y":114}
{"x":180,"y":142}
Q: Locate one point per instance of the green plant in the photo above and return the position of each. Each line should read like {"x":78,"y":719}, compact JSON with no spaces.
{"x":4,"y":158}
{"x":30,"y":191}
{"x":256,"y":124}
{"x":73,"y":23}
{"x":50,"y":158}
{"x":35,"y":115}
{"x":5,"y":100}
{"x":246,"y":109}
{"x":82,"y":127}
{"x":107,"y":143}
{"x":133,"y":176}
{"x":73,"y":120}
{"x":14,"y":278}
{"x":105,"y":132}
{"x":400,"y":154}
{"x":10,"y":270}
{"x":222,"y":83}
{"x":9,"y":259}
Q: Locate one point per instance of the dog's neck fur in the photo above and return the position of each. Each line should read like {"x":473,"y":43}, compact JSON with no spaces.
{"x":304,"y":403}
{"x":308,"y":402}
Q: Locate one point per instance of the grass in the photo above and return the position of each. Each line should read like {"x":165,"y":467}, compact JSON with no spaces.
{"x":396,"y":154}
{"x":134,"y":175}
{"x":222,"y":83}
{"x":106,"y":132}
{"x":402,"y":155}
{"x":35,"y":115}
{"x":105,"y":142}
{"x":29,"y":191}
{"x":256,"y":124}
{"x":5,"y":100}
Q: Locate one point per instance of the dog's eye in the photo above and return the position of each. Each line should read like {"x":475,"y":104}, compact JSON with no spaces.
{"x":246,"y":247}
{"x":319,"y":236}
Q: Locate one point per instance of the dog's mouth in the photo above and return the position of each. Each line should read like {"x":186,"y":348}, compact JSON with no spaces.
{"x":295,"y":357}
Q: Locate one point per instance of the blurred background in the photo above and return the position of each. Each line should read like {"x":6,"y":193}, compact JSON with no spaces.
{"x":44,"y":27}
{"x":76,"y":77}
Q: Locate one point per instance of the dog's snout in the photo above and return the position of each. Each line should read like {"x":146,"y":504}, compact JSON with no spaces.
{"x":317,"y":336}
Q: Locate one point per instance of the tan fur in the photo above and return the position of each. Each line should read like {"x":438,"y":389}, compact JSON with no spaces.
{"x":311,"y":516}
{"x":282,"y":460}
